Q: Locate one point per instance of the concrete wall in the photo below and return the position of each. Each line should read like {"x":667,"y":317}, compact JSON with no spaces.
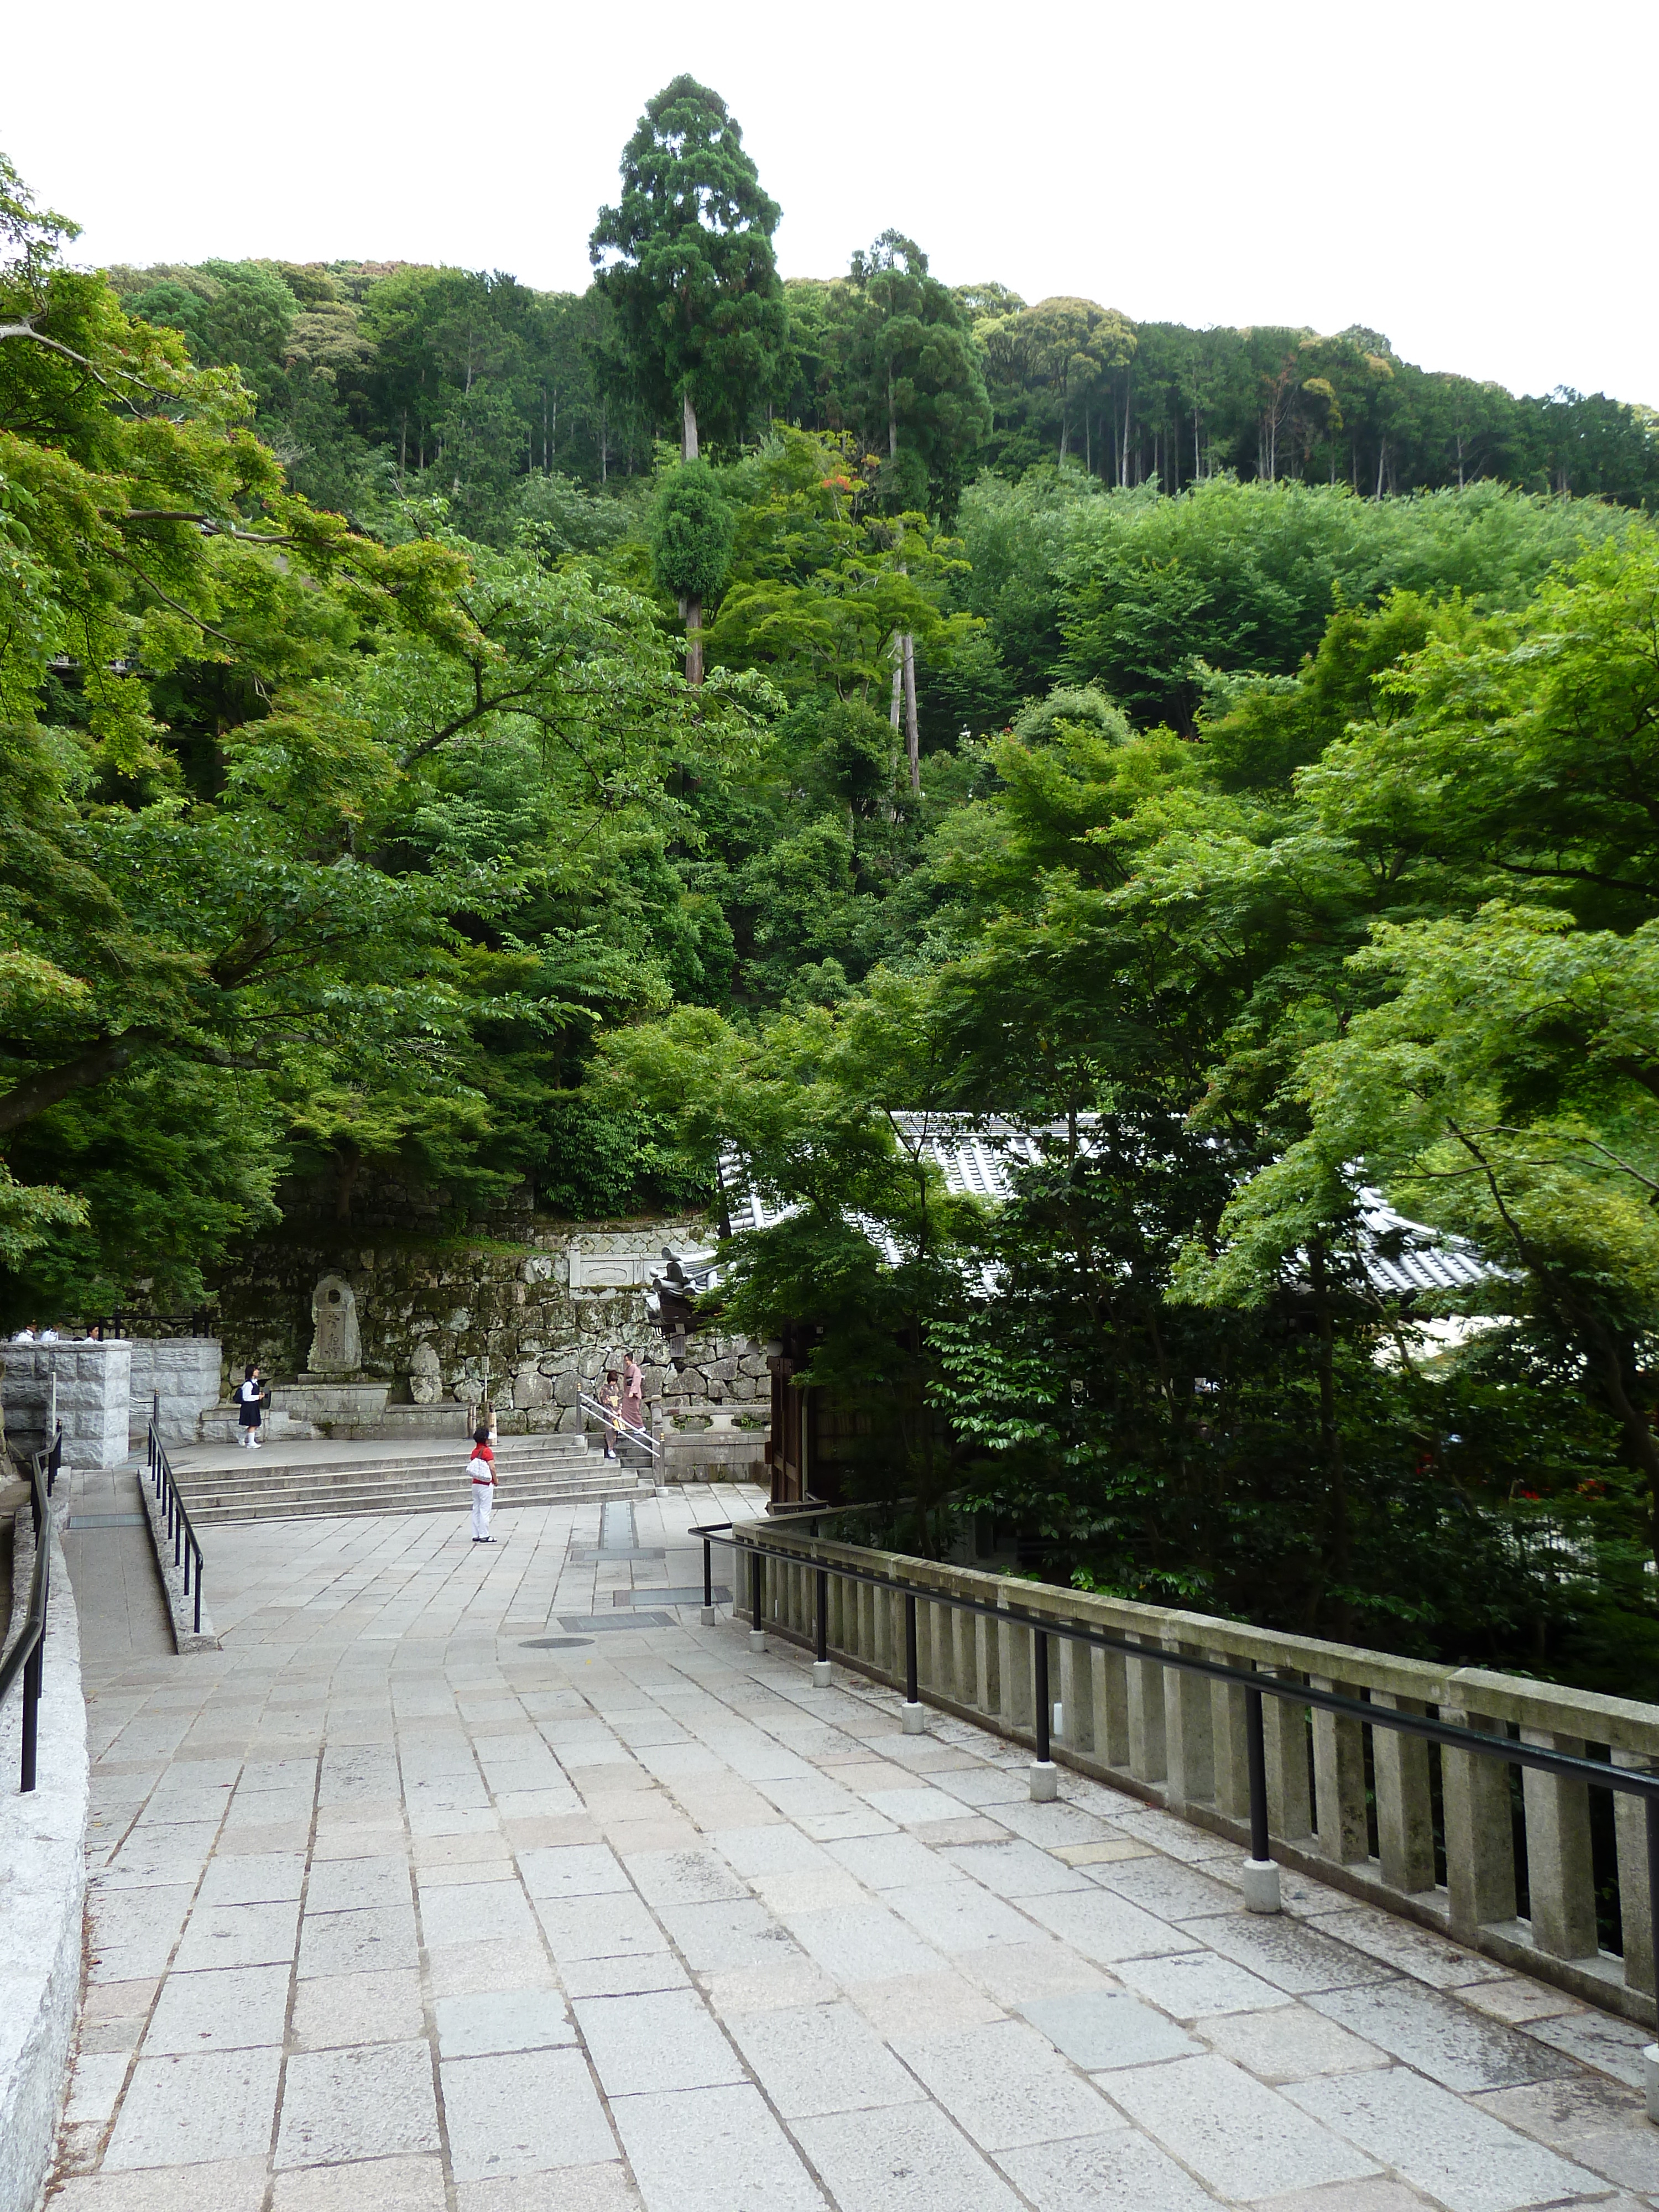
{"x":94,"y":1390}
{"x":185,"y":1370}
{"x":43,"y":1840}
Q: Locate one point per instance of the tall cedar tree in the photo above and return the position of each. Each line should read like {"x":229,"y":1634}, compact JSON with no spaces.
{"x":686,"y":261}
{"x":691,"y":533}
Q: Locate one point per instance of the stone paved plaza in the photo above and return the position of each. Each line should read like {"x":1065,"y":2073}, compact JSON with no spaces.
{"x":398,"y":1906}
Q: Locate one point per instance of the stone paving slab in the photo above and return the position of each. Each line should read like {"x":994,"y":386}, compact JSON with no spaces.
{"x":393,"y":1906}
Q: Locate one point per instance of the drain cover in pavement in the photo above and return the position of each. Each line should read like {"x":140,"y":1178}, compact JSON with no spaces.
{"x":555,"y":1642}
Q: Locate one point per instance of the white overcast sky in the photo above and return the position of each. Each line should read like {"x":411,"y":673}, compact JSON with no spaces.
{"x":1471,"y":177}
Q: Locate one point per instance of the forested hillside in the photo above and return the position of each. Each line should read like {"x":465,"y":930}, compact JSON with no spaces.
{"x":482,"y":735}
{"x":377,"y":382}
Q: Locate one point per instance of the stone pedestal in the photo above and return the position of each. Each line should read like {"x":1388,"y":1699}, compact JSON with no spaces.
{"x":95,"y":1395}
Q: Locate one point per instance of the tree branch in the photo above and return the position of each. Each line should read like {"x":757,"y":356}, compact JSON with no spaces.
{"x":208,"y":523}
{"x":98,"y":1062}
{"x":26,"y":329}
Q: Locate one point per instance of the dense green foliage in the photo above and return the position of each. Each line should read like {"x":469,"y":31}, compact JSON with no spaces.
{"x":410,"y":762}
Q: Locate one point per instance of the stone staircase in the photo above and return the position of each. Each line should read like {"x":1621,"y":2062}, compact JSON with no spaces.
{"x":543,"y":1470}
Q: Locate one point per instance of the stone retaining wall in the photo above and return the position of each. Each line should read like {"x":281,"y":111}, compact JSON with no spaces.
{"x":186,"y":1371}
{"x":95,"y":1391}
{"x":43,"y":1843}
{"x":537,"y":1319}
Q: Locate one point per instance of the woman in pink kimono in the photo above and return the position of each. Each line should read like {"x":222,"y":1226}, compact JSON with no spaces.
{"x":633,"y":1391}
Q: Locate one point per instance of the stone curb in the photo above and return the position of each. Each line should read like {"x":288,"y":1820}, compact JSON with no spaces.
{"x":181,"y":1610}
{"x":43,"y":1846}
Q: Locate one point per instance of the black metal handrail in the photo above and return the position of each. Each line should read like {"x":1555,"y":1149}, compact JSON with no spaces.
{"x":185,"y":1543}
{"x":197,"y":1320}
{"x":1631,"y":1782}
{"x":28,"y":1655}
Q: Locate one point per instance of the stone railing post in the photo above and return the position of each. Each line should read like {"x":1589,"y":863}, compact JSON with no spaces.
{"x":1630,"y":1816}
{"x":1148,"y":1757}
{"x":1189,"y":1738}
{"x":1233,"y":1763}
{"x":1016,"y":1674}
{"x":1560,"y":1884}
{"x":1405,"y":1813}
{"x":1479,"y":1831}
{"x":1077,"y":1695}
{"x":1285,"y":1734}
{"x":988,"y":1664}
{"x":1339,"y":1780}
{"x":1110,"y":1678}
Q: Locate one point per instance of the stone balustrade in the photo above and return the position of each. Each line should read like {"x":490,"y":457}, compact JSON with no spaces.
{"x":1355,"y":1805}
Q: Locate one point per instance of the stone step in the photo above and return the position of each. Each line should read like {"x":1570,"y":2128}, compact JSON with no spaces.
{"x":559,"y":1454}
{"x":338,"y":1500}
{"x":260,"y":1474}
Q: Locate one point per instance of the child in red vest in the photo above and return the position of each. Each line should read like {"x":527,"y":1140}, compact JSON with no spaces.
{"x":482,"y":1469}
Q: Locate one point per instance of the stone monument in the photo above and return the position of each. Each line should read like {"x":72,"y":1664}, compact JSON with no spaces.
{"x":337,"y":1347}
{"x":426,"y":1381}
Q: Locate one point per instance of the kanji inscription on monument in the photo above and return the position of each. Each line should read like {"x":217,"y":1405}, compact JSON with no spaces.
{"x":335,"y":1346}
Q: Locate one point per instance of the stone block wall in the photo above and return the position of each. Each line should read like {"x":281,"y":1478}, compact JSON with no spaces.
{"x":94,"y":1393}
{"x":538,"y":1316}
{"x":187,"y":1372}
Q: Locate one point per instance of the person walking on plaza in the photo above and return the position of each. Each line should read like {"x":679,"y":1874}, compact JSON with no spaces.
{"x":481,"y":1467}
{"x":633,"y":1391}
{"x":250,"y":1407}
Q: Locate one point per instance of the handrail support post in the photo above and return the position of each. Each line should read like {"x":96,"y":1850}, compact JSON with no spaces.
{"x":1045,"y":1775}
{"x":1260,"y":1882}
{"x":756,"y":1617}
{"x":915,"y":1719}
{"x":707,"y":1583}
{"x":821,"y":1658}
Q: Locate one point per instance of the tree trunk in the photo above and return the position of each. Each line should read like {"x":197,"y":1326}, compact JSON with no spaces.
{"x":898,"y":678}
{"x":94,"y":1065}
{"x":693,"y":609}
{"x":689,"y":432}
{"x":1340,"y":1566}
{"x":911,"y":734}
{"x":892,"y":421}
{"x":347,"y":1161}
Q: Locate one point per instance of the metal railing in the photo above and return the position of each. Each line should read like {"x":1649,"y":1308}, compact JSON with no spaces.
{"x":186,"y":1546}
{"x":1250,"y":1685}
{"x":198,"y":1323}
{"x":28,"y":1655}
{"x":608,"y":1417}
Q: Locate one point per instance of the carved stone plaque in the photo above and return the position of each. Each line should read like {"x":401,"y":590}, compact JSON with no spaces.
{"x":336,"y":1347}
